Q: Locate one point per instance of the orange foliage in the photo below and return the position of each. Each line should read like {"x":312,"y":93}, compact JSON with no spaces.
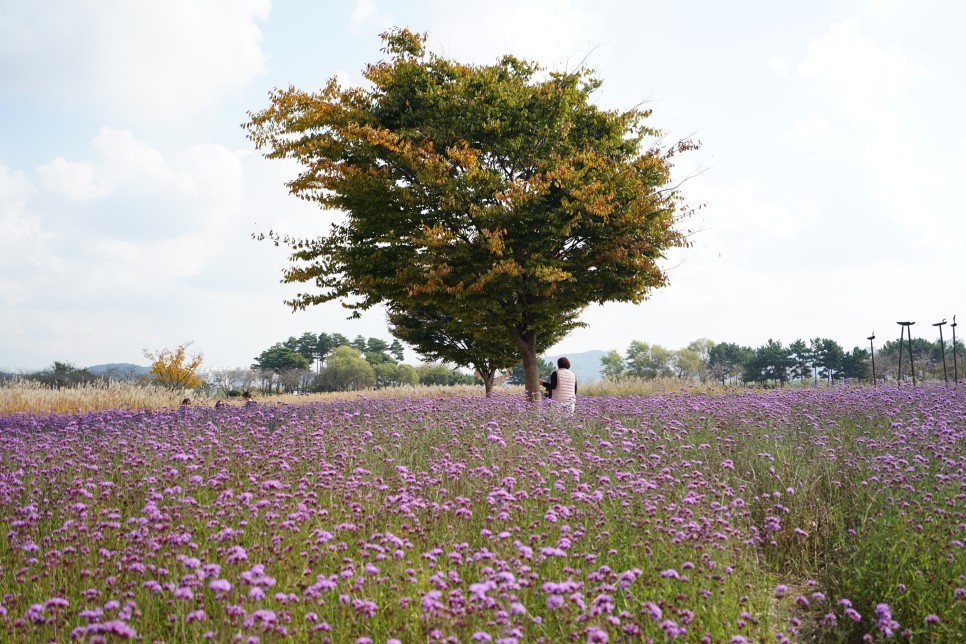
{"x":175,"y":369}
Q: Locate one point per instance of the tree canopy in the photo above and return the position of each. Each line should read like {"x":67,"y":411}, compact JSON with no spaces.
{"x":495,"y":194}
{"x":727,"y":360}
{"x":771,"y":361}
{"x":648,"y":360}
{"x":279,"y":358}
{"x":63,"y":374}
{"x":175,"y":368}
{"x":612,"y":365}
{"x":346,"y":370}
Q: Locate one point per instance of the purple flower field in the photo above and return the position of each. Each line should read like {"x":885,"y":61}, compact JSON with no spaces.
{"x":805,"y":515}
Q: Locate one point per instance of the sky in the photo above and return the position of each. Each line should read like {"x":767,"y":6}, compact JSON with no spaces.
{"x":831,"y":167}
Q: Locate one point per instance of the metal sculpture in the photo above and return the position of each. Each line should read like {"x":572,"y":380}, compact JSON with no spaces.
{"x":903,"y":327}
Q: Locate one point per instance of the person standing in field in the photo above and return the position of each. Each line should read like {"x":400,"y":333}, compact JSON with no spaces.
{"x":563,"y":385}
{"x":249,"y":400}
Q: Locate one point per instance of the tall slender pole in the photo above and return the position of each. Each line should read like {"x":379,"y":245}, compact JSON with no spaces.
{"x":872,"y":348}
{"x":955,"y":366}
{"x":912,"y":364}
{"x":814,"y":349}
{"x":942,"y":345}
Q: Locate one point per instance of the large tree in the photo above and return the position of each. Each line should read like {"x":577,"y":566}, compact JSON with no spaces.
{"x":63,"y":374}
{"x":280,"y":358}
{"x":827,"y":357}
{"x":346,"y":370}
{"x":397,"y":350}
{"x":703,"y":347}
{"x":687,"y":364}
{"x":726,"y":360}
{"x":306,"y":346}
{"x":174,"y":367}
{"x":802,"y":357}
{"x":856,"y":365}
{"x":612,"y":365}
{"x":496,"y":189}
{"x":324,"y":344}
{"x":648,"y":361}
{"x":771,"y":361}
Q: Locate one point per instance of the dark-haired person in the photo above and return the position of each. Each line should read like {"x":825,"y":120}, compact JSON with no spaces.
{"x":563,"y":385}
{"x":249,"y":400}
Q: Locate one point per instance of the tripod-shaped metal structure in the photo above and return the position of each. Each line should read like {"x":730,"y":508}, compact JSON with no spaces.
{"x":903,"y":326}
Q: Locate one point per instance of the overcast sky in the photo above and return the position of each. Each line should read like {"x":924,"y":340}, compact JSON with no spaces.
{"x":832,"y":163}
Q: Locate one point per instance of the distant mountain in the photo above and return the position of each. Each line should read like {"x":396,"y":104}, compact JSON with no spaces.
{"x":120,"y":370}
{"x":586,"y":365}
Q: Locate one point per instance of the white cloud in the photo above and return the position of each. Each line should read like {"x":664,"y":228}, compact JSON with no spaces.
{"x":138,"y":58}
{"x":344,"y":78}
{"x":807,"y":130}
{"x":24,"y":244}
{"x":156,"y":219}
{"x":367,"y":14}
{"x":72,"y":180}
{"x":20,"y":231}
{"x":144,"y":195}
{"x":916,"y":194}
{"x":124,"y":158}
{"x":124,"y":263}
{"x":744,"y":216}
{"x":14,"y":188}
{"x":854,"y":70}
{"x":869,"y":136}
{"x":84,"y":282}
{"x":554,"y":32}
{"x":879,"y":7}
{"x":780,"y":65}
{"x":216,"y":181}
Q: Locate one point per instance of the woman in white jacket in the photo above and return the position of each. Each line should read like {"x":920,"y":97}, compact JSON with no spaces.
{"x":563,"y":385}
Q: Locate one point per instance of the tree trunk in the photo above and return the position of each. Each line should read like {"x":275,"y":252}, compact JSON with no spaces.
{"x":487,"y":378}
{"x":527,"y":344}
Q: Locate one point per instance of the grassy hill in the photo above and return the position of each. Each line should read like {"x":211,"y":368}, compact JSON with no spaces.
{"x":119,"y":370}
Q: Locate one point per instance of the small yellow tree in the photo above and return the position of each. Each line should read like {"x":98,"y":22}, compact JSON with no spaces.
{"x":175,"y":369}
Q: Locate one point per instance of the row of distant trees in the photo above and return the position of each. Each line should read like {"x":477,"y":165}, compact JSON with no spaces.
{"x":776,"y":363}
{"x":310,"y":362}
{"x":62,"y":374}
{"x":332,"y":362}
{"x":173,"y":368}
